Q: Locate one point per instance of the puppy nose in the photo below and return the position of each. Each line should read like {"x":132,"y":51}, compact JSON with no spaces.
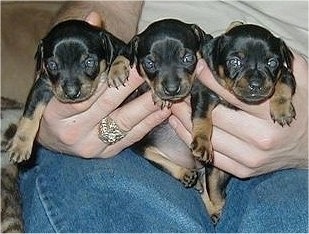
{"x":171,"y":89}
{"x":72,"y":92}
{"x":255,"y":84}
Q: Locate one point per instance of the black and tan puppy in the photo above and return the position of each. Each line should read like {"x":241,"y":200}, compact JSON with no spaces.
{"x":165,"y":55}
{"x":255,"y":66}
{"x":71,"y":60}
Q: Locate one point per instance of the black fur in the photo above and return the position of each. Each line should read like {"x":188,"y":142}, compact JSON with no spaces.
{"x":71,"y":60}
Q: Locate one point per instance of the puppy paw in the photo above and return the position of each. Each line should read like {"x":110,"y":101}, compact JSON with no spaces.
{"x":189,"y":178}
{"x":202,"y":149}
{"x":283,"y":112}
{"x":214,"y":207}
{"x":215,"y":216}
{"x":19,"y":149}
{"x":119,"y":72}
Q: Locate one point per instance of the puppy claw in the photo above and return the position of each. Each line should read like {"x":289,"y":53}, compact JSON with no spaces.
{"x":283,"y":114}
{"x":19,"y":150}
{"x":202,"y":149}
{"x":161,"y":103}
{"x":119,"y":72}
{"x":190,"y":178}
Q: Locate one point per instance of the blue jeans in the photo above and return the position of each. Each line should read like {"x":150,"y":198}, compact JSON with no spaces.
{"x":126,"y":193}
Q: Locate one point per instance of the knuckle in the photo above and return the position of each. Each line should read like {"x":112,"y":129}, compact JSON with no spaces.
{"x":266,"y":142}
{"x":255,"y":162}
{"x":68,"y":136}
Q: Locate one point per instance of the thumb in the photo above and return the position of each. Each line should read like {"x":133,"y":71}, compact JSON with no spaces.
{"x":94,"y":18}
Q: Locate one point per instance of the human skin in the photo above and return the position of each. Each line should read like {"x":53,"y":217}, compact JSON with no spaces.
{"x":247,"y":142}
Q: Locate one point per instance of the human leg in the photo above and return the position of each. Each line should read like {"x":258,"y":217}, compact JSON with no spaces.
{"x":275,"y":202}
{"x":121,"y":194}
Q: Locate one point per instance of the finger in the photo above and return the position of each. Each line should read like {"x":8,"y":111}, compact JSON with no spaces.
{"x":131,"y":118}
{"x":180,"y":129}
{"x":237,"y":123}
{"x":94,"y":18}
{"x":137,"y":132}
{"x":101,"y":103}
{"x":182,"y":111}
{"x":134,"y":112}
{"x":235,"y":168}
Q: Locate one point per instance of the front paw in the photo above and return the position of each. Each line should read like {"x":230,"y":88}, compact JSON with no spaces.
{"x":201,"y":148}
{"x":19,"y":149}
{"x":119,"y":72}
{"x":282,"y":112}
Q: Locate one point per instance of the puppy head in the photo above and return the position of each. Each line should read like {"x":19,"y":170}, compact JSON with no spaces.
{"x":248,"y":60}
{"x":73,"y":56}
{"x":166,"y":55}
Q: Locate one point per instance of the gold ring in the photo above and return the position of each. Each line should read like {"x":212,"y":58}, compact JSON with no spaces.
{"x":109,"y":131}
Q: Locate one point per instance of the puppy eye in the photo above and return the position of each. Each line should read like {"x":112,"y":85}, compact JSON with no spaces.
{"x":273,"y":62}
{"x":188,"y":58}
{"x":90,"y":62}
{"x":52,"y":65}
{"x":149,"y":64}
{"x":234,"y":62}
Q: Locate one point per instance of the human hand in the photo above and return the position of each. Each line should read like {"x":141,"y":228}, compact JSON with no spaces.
{"x":247,"y":142}
{"x":73,"y":128}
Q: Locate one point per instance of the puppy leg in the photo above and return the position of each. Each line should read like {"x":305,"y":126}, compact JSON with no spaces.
{"x":216,"y":182}
{"x":188,"y":177}
{"x":281,"y":107}
{"x":203,"y":101}
{"x":119,"y":72}
{"x":20,"y":146}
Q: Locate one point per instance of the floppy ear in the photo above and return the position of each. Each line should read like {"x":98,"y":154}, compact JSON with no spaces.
{"x":108,"y":47}
{"x":114,"y":47}
{"x":39,"y":68}
{"x":200,"y":33}
{"x":211,"y":50}
{"x":287,"y":55}
{"x":132,"y":47}
{"x":233,"y":25}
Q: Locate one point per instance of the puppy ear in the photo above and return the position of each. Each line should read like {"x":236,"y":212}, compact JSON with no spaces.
{"x":200,"y":33}
{"x":211,"y":50}
{"x":287,"y":55}
{"x":233,"y":24}
{"x":108,"y":47}
{"x":39,"y":68}
{"x":133,"y":46}
{"x":114,"y":47}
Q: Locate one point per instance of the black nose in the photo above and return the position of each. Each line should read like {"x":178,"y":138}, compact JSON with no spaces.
{"x":171,"y":88}
{"x":255,"y":84}
{"x":71,"y":92}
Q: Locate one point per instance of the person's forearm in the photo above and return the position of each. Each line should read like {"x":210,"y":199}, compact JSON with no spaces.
{"x":118,"y":17}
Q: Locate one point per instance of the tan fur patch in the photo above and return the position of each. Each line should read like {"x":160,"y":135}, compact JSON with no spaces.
{"x":20,"y":147}
{"x":223,"y":80}
{"x":281,"y":107}
{"x":214,"y":200}
{"x":118,"y":72}
{"x":186,"y":176}
{"x":201,"y":145}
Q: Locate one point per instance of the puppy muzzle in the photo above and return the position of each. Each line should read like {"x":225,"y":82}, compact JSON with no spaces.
{"x":253,"y":89}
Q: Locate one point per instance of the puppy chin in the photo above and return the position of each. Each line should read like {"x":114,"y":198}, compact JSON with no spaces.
{"x":252,"y":98}
{"x":83,"y":95}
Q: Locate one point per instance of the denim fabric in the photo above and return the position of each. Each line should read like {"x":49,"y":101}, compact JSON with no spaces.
{"x":126,"y":193}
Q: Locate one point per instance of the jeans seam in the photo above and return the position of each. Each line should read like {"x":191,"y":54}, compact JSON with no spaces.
{"x":43,"y":196}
